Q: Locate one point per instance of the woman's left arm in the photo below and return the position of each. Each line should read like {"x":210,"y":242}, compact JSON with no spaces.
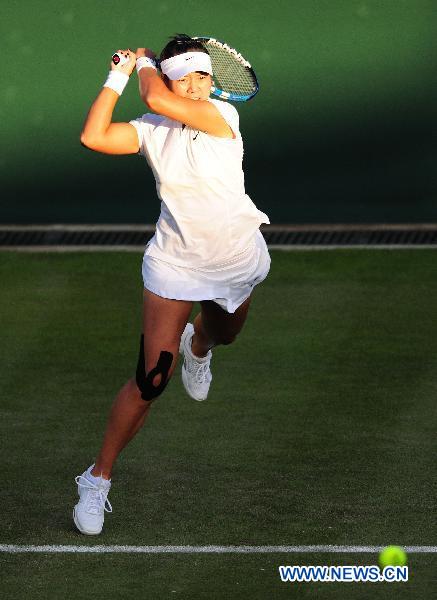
{"x":198,"y":114}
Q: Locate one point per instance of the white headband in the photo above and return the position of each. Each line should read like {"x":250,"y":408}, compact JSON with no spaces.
{"x":182,"y":64}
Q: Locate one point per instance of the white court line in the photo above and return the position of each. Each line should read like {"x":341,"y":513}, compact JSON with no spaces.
{"x":285,"y":247}
{"x":265,"y":227}
{"x":18,"y":549}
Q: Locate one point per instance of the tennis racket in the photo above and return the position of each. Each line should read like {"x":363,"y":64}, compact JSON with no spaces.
{"x":233,"y":79}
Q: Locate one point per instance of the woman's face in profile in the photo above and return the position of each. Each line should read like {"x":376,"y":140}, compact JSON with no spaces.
{"x":196,"y":86}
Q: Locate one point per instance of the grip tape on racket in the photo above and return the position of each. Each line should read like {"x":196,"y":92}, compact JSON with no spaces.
{"x":119,"y":59}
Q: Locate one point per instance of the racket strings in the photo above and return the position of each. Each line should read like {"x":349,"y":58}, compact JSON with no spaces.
{"x":229,"y":74}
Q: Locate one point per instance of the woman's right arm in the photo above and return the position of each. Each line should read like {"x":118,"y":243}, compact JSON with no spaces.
{"x":98,"y":132}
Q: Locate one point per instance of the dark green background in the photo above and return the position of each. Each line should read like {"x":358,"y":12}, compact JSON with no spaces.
{"x":341,"y":130}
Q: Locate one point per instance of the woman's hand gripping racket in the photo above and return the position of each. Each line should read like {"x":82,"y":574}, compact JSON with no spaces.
{"x":233,"y":79}
{"x":123,"y":57}
{"x":123,"y":61}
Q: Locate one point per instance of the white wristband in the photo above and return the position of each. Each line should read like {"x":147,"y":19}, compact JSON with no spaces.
{"x":117,"y":81}
{"x":145,"y":61}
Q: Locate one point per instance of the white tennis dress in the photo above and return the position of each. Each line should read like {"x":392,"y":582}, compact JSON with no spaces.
{"x":207,"y":244}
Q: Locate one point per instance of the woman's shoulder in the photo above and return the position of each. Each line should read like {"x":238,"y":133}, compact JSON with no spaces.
{"x":229,"y":113}
{"x":224,"y":107}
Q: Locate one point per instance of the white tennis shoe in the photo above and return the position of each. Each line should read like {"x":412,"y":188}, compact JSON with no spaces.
{"x":89,"y":512}
{"x":196,"y":374}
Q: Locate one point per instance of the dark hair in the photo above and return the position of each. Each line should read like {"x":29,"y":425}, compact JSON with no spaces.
{"x":179,"y":44}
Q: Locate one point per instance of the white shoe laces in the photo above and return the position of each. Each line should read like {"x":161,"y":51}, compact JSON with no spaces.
{"x":201,"y":371}
{"x":97,"y":497}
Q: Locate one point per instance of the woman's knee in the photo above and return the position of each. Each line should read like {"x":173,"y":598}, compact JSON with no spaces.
{"x":150,"y":388}
{"x":153,"y":376}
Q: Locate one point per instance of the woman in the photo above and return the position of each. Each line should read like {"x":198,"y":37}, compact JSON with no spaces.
{"x":207,"y":246}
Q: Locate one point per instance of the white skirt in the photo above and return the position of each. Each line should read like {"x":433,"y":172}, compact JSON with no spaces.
{"x":228,"y":284}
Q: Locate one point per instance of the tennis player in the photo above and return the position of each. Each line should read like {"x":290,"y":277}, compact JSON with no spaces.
{"x":207,"y":246}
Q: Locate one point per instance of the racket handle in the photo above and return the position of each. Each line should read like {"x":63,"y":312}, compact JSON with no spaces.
{"x":119,"y":59}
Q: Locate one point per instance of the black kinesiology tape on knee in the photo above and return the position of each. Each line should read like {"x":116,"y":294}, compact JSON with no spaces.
{"x":145,"y":382}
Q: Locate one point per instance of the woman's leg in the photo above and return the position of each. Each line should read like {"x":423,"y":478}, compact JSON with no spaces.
{"x":214,"y":326}
{"x":163,"y":323}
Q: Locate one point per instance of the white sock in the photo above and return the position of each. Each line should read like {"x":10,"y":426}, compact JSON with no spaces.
{"x":93,"y":478}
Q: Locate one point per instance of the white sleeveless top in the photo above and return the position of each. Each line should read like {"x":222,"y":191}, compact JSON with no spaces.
{"x":206,"y":216}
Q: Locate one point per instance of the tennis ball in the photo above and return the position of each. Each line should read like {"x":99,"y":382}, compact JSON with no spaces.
{"x":392,"y":556}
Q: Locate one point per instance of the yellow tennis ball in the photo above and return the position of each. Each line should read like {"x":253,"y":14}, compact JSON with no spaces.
{"x":392,"y":556}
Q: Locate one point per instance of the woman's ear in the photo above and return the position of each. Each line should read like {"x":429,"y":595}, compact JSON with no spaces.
{"x":165,"y":80}
{"x":164,"y":77}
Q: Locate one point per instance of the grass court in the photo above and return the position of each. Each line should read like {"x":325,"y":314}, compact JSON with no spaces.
{"x":319,"y":428}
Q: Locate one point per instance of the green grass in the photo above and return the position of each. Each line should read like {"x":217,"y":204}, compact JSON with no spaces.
{"x":319,"y":428}
{"x":186,"y":577}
